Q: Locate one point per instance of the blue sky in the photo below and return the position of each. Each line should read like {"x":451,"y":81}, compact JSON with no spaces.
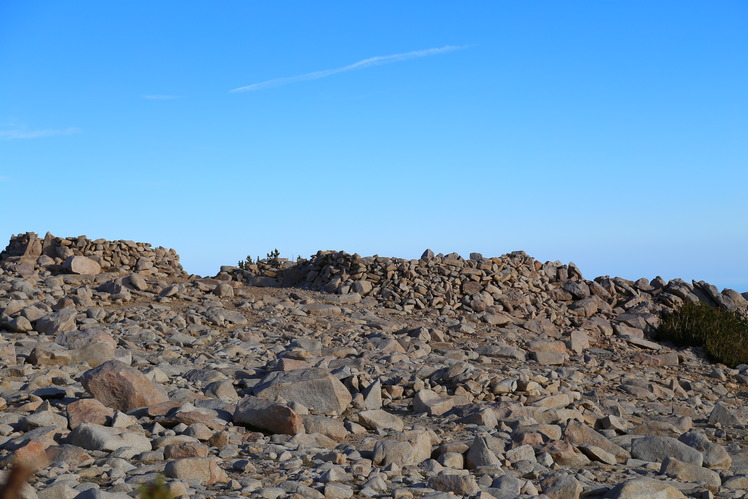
{"x":611,"y":134}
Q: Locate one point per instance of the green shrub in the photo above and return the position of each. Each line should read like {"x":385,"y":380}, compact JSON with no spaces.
{"x":722,"y":333}
{"x":156,"y":490}
{"x":272,"y":260}
{"x":244,"y":264}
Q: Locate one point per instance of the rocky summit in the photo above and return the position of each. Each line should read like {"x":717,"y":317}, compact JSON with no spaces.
{"x":344,"y":376}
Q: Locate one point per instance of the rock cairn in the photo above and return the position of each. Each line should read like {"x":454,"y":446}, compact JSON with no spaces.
{"x":57,"y":254}
{"x":525,"y":380}
{"x":512,"y":283}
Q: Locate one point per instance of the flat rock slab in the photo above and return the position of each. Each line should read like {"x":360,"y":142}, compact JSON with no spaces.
{"x":121,"y":387}
{"x":313,"y":388}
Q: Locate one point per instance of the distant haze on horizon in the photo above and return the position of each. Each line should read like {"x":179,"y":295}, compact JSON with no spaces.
{"x":610,"y":134}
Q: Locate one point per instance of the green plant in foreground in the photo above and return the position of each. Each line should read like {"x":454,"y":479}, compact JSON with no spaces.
{"x":722,"y":333}
{"x":156,"y":490}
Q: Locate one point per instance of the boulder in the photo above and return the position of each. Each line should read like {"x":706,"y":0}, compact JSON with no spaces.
{"x":644,"y":488}
{"x":81,"y":265}
{"x":657,"y":448}
{"x":204,"y":469}
{"x":96,"y":437}
{"x":314,"y":388}
{"x":580,"y":434}
{"x":121,"y":387}
{"x":268,"y":415}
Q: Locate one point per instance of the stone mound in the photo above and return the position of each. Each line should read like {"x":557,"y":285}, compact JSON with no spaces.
{"x":81,"y":255}
{"x":509,"y":283}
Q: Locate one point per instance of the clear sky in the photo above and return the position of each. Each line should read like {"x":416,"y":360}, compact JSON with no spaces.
{"x":613,"y":134}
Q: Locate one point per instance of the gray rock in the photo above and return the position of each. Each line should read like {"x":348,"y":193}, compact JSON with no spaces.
{"x":314,"y":388}
{"x":461,"y":485}
{"x":268,"y":415}
{"x":121,"y":387}
{"x":715,"y":455}
{"x":96,"y":437}
{"x":644,"y":488}
{"x":580,"y":434}
{"x":689,"y":472}
{"x":480,"y":455}
{"x":657,"y":448}
{"x":81,"y":265}
{"x":560,"y":486}
{"x":206,"y":470}
{"x":724,"y":416}
{"x":379,"y":419}
{"x":137,"y":281}
{"x":57,"y":322}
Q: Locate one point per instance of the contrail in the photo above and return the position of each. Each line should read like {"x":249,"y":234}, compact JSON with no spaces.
{"x":366,"y":63}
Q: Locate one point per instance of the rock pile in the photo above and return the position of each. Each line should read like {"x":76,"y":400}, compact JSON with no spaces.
{"x":525,"y":380}
{"x":449,"y":283}
{"x":81,"y":255}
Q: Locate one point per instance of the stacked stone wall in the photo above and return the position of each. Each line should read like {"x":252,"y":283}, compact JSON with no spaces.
{"x":514,"y":281}
{"x":28,"y":251}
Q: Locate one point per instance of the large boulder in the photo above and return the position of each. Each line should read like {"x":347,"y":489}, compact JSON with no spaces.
{"x":81,"y":265}
{"x":205,"y":469}
{"x":580,"y":434}
{"x":267,"y":415}
{"x":314,"y":388}
{"x":657,"y":448}
{"x":57,"y":322}
{"x":96,"y":437}
{"x":121,"y":387}
{"x":644,"y":488}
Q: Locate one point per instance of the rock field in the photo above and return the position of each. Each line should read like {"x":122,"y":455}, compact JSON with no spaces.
{"x":341,"y":376}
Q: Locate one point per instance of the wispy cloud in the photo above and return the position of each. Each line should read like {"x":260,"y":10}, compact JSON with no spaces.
{"x":22,"y":132}
{"x":161,"y":97}
{"x":366,"y":63}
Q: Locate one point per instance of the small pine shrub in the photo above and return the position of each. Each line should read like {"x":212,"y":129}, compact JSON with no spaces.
{"x":722,"y":333}
{"x":156,"y":490}
{"x":244,"y":264}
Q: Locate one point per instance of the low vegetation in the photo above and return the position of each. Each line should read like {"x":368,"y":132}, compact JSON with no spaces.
{"x":272,"y":259}
{"x":722,"y":333}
